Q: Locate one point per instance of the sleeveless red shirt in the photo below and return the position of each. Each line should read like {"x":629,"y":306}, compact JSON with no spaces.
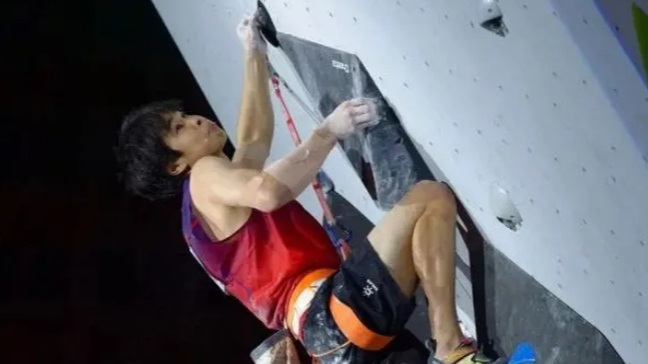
{"x":261,"y":263}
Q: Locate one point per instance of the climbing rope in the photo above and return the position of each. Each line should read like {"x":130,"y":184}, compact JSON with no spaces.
{"x":341,"y":244}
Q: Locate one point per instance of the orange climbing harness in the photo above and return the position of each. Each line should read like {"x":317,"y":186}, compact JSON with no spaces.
{"x":356,"y":332}
{"x":301,"y":297}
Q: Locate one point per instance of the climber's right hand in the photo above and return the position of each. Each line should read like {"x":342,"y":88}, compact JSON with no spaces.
{"x":250,"y":35}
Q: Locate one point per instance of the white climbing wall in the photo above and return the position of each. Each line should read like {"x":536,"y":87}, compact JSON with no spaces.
{"x":555,"y":113}
{"x":605,"y":34}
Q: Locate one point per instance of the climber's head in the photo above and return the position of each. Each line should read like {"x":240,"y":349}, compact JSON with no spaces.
{"x":159,"y":143}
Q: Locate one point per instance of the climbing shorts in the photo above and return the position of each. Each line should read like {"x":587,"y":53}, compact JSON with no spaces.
{"x":356,"y":313}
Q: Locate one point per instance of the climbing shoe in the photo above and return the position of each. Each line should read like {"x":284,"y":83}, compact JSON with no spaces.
{"x":465,"y":353}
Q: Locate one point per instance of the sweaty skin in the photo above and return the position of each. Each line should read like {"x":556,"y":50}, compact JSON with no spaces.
{"x":255,"y":127}
{"x":220,"y":186}
{"x":416,"y":241}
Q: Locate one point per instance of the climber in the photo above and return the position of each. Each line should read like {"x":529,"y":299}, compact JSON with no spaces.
{"x":243,"y":224}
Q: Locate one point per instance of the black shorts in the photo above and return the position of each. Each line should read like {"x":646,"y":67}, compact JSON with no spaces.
{"x":363,"y":284}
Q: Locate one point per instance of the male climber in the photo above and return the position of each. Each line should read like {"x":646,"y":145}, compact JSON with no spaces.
{"x":242,"y":222}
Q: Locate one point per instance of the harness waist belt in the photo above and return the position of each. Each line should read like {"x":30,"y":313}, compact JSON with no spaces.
{"x":301,"y":297}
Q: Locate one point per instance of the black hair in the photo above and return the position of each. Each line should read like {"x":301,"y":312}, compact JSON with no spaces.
{"x":143,"y":156}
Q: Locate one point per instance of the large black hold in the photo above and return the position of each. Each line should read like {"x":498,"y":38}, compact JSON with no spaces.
{"x":383,"y":156}
{"x":266,"y":25}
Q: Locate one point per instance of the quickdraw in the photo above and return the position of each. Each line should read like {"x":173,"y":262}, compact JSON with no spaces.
{"x":341,"y":244}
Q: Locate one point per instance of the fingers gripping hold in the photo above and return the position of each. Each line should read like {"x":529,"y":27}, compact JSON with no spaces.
{"x":351,"y":116}
{"x":249,"y":33}
{"x":359,"y":111}
{"x":366,"y":113}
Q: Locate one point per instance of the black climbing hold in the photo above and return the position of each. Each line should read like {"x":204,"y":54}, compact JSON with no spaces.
{"x":384,"y":158}
{"x":266,"y":25}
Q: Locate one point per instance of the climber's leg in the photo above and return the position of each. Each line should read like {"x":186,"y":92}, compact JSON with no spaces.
{"x":367,"y":302}
{"x":416,"y":241}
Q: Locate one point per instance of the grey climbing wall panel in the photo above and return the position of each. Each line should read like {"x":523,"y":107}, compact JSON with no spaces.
{"x":331,"y":76}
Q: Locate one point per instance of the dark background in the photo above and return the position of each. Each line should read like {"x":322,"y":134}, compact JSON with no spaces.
{"x":89,"y":274}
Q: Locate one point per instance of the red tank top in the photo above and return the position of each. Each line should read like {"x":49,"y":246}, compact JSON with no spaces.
{"x":261,"y":263}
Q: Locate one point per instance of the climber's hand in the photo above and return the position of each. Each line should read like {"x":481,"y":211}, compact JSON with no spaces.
{"x":250,"y":35}
{"x":351,"y":116}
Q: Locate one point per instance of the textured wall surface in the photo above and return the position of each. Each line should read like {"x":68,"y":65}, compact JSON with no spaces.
{"x":556,"y":113}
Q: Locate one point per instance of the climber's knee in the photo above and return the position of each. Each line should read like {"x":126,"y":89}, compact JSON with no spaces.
{"x":431,"y":193}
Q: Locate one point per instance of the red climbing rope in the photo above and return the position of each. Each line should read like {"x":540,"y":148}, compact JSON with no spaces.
{"x":340,"y":244}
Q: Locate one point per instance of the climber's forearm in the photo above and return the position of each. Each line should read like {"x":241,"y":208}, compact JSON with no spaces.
{"x":293,"y":173}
